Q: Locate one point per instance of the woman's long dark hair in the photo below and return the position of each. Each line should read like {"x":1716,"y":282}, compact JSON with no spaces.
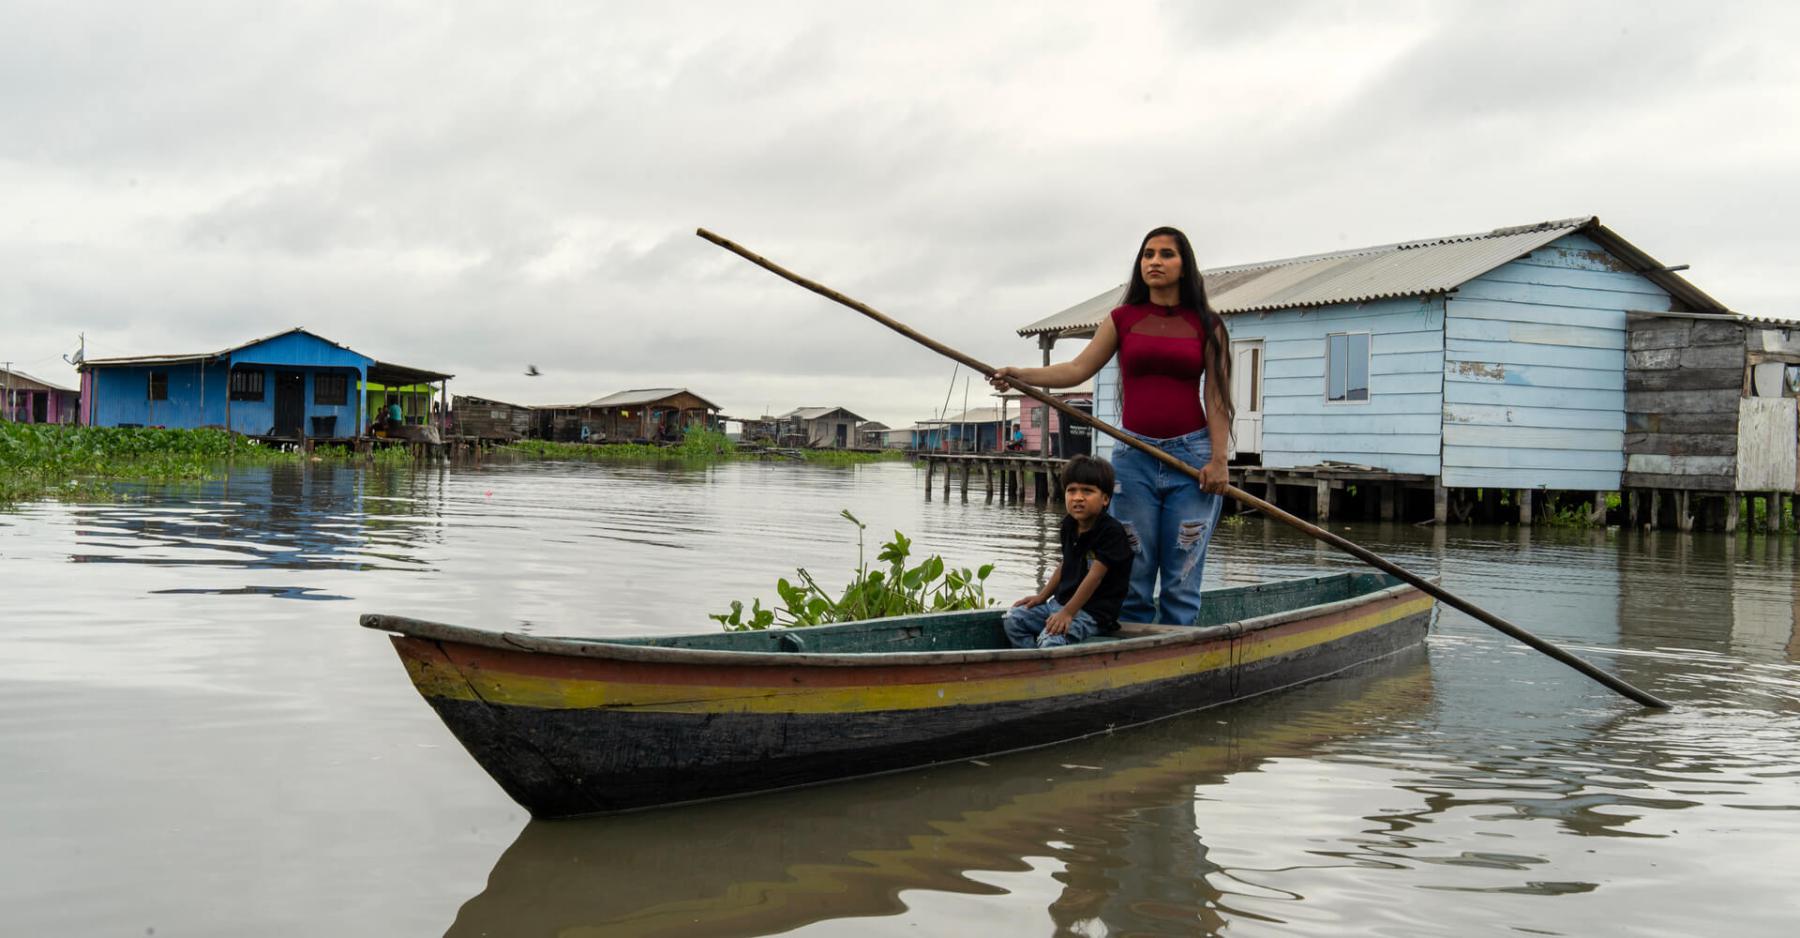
{"x":1193,"y":296}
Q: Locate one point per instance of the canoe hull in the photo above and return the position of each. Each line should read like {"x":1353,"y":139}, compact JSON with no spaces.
{"x":569,"y":735}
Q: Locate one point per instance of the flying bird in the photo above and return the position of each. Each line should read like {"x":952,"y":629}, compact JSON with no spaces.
{"x":531,"y":371}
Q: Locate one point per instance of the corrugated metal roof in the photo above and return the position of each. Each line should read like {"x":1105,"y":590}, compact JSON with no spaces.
{"x":171,"y":359}
{"x":972,"y":415}
{"x":1745,"y":319}
{"x":815,"y":413}
{"x":19,"y":376}
{"x":643,"y":396}
{"x":1412,"y":268}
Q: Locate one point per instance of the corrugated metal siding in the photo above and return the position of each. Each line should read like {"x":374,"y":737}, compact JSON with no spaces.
{"x":1534,"y":370}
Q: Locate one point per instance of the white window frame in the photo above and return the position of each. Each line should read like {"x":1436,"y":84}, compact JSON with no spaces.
{"x":1368,"y":375}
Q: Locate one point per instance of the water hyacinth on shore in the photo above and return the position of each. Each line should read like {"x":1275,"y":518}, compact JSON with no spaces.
{"x":60,"y":460}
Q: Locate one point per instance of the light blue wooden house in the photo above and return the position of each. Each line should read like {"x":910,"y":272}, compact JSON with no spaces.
{"x":1492,"y":360}
{"x":289,"y":386}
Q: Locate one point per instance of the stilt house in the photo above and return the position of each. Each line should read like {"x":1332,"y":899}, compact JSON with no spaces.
{"x":289,"y":386}
{"x":1710,"y":418}
{"x":1487,"y":361}
{"x":819,"y":427}
{"x":24,"y":399}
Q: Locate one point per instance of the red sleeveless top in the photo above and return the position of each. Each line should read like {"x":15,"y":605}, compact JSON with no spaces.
{"x":1159,"y":375}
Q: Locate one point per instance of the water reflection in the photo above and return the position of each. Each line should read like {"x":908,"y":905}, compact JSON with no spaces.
{"x":183,"y":681}
{"x":1117,"y":816}
{"x":289,"y":516}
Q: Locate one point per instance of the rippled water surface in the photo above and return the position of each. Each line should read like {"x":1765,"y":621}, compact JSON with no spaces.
{"x":197,"y":739}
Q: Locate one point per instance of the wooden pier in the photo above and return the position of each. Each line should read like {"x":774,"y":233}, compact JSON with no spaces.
{"x":1009,"y":475}
{"x":1326,"y":492}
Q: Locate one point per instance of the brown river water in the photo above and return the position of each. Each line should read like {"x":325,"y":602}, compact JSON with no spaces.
{"x":197,"y":739}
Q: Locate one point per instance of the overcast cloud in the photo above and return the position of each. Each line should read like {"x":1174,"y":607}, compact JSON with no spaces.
{"x":475,"y":187}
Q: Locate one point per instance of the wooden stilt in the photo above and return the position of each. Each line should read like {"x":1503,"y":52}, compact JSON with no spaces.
{"x":1733,"y":511}
{"x":1524,"y":496}
{"x":1440,"y":503}
{"x":1684,"y":521}
{"x":1772,"y":512}
{"x":1322,"y":499}
{"x":1655,"y":510}
{"x":1388,"y":502}
{"x":1598,"y":514}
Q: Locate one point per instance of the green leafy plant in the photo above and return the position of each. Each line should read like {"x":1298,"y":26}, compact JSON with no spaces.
{"x":895,"y":589}
{"x":77,"y":462}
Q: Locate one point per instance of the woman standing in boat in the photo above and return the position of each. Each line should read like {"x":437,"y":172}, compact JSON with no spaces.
{"x":1173,"y":351}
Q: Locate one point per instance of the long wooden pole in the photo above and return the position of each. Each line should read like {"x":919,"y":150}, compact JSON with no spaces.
{"x":1341,"y":543}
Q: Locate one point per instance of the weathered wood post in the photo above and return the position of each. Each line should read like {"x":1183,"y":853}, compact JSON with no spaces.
{"x":987,"y":477}
{"x":1631,"y":508}
{"x":1598,"y":515}
{"x":1525,"y":507}
{"x":967,"y":470}
{"x":1440,"y":503}
{"x":1732,"y":512}
{"x":1683,"y":520}
{"x":1387,"y":501}
{"x":930,"y":471}
{"x":1772,"y":513}
{"x":949,"y":470}
{"x":1322,"y":499}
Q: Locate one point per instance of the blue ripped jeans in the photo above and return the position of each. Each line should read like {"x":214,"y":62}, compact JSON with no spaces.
{"x":1170,"y":523}
{"x":1025,"y":627}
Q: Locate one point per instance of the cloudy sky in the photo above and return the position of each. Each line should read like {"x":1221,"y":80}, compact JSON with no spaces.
{"x":475,"y":187}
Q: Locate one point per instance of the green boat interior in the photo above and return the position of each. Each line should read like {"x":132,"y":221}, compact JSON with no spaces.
{"x":981,"y":630}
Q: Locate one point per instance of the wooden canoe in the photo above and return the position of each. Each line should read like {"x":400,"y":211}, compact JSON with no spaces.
{"x":581,"y":726}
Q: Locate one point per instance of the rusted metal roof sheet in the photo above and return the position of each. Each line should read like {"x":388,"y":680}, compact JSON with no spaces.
{"x":1412,"y":268}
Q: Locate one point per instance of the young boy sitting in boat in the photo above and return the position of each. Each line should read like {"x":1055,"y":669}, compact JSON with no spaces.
{"x":1083,"y":596}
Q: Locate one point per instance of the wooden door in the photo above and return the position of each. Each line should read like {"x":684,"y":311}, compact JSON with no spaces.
{"x":1246,"y":392}
{"x":290,"y":403}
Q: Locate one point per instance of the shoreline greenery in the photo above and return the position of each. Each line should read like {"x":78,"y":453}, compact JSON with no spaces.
{"x":899,"y":590}
{"x":697,"y":446}
{"x":72,"y":462}
{"x":64,"y":461}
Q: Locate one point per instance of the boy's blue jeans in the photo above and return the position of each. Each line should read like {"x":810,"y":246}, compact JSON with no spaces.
{"x":1170,"y":523}
{"x":1025,"y":627}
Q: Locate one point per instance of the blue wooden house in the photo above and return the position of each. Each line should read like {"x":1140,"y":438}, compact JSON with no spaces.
{"x":289,"y":386}
{"x":976,"y":430}
{"x":1480,"y":361}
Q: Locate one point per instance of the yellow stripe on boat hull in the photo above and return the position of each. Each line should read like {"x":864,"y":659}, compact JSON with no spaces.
{"x":441,"y":680}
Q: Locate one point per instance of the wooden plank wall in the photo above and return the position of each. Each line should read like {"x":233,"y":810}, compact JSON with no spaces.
{"x":1684,"y":379}
{"x":1534,"y":370}
{"x":1396,"y":429}
{"x":1766,"y":444}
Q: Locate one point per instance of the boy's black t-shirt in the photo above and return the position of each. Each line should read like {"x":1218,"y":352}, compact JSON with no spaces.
{"x":1107,"y":543}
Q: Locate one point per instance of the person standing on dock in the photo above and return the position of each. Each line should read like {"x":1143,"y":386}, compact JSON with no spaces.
{"x":1175,"y":391}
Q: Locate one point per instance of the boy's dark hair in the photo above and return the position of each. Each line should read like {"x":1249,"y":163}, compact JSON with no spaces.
{"x":1089,"y":470}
